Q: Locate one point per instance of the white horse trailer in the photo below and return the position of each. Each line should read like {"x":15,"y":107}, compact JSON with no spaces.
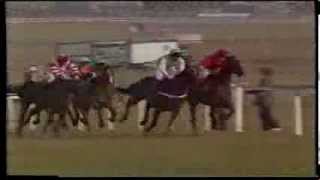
{"x":149,"y":51}
{"x":117,"y":52}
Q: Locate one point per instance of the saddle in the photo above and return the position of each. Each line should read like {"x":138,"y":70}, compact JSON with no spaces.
{"x":172,"y":88}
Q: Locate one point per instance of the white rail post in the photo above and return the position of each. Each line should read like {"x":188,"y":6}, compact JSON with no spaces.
{"x":12,"y":113}
{"x":239,"y":108}
{"x":298,"y":115}
{"x":141,"y":111}
{"x":207,"y":118}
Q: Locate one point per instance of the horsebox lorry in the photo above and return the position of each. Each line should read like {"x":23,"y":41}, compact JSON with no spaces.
{"x":117,"y":52}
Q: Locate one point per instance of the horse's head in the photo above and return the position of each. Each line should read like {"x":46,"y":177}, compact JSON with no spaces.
{"x":233,"y":66}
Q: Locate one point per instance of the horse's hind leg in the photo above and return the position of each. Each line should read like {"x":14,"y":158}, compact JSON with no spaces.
{"x":37,"y":121}
{"x":20,"y":126}
{"x":61,"y":122}
{"x":32,"y":112}
{"x":131,"y":101}
{"x":192,"y":108}
{"x":146,"y":115}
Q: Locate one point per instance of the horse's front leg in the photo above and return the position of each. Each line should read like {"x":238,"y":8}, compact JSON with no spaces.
{"x":113,"y":116}
{"x":49,"y":121}
{"x":214,"y":123}
{"x":74,"y":119}
{"x":192,"y":108}
{"x":84,"y":118}
{"x":100,"y":116}
{"x":225,"y":115}
{"x":173,"y":117}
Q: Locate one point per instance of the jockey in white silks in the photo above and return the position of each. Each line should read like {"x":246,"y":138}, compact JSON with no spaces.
{"x":170,"y":65}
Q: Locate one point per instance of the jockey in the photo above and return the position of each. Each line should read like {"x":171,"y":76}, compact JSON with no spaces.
{"x":170,"y":65}
{"x":88,"y":69}
{"x":213,"y":63}
{"x":63,"y":68}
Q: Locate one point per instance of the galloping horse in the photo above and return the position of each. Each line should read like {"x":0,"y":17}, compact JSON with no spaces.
{"x":168,"y":97}
{"x":53,"y":97}
{"x":95,"y":93}
{"x":216,"y":93}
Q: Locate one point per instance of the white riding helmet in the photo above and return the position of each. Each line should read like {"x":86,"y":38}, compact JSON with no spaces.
{"x":33,"y":68}
{"x":175,"y":51}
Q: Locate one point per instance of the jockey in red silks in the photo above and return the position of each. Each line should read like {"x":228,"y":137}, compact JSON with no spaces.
{"x":213,"y":63}
{"x":63,"y":68}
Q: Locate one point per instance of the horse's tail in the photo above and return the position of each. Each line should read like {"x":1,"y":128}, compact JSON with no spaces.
{"x":140,"y":88}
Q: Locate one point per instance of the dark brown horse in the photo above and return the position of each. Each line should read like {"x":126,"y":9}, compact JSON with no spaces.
{"x":53,"y":98}
{"x":169,"y":96}
{"x":216,"y":93}
{"x":96,"y":93}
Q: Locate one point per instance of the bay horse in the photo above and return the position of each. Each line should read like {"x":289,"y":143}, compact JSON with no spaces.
{"x":216,"y":93}
{"x":168,"y":95}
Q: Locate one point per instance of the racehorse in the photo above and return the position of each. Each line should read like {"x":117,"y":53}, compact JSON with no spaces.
{"x":53,"y":98}
{"x":97,"y":93}
{"x":166,"y":96}
{"x":216,"y":93}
